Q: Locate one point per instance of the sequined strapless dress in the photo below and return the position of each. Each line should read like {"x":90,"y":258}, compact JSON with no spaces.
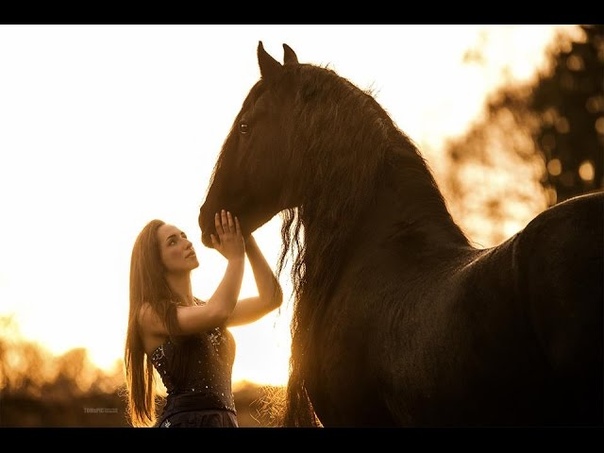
{"x":208,"y":382}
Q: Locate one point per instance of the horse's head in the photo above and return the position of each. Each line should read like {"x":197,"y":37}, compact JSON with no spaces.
{"x":249,"y":173}
{"x":297,"y":142}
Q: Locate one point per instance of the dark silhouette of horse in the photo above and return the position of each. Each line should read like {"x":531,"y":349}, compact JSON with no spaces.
{"x":398,"y":320}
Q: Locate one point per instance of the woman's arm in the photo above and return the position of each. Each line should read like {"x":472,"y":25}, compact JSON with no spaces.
{"x":193,"y":319}
{"x":220,"y":305}
{"x":270,"y":294}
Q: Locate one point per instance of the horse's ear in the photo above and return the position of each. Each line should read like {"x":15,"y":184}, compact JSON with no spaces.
{"x":269,"y":67}
{"x":289,"y":56}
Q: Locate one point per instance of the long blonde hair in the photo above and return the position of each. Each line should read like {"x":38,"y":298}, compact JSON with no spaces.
{"x":147,"y":285}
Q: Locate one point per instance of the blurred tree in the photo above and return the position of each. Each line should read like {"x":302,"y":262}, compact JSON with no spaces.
{"x":537,"y":144}
{"x":24,"y":366}
{"x":569,"y":100}
{"x":39,"y":389}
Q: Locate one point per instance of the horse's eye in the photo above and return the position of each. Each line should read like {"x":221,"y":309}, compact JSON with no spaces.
{"x":244,"y":128}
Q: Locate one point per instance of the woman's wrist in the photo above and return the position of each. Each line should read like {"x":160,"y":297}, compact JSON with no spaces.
{"x":236,"y":259}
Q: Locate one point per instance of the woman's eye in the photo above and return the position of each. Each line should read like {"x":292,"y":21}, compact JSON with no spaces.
{"x":244,"y":128}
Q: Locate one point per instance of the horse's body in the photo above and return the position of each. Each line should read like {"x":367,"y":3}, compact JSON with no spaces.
{"x":398,"y":320}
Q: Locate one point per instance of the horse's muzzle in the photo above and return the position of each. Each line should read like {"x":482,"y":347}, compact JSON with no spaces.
{"x":206,"y":227}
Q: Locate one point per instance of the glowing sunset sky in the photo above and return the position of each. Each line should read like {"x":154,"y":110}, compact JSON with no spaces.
{"x":104,"y":127}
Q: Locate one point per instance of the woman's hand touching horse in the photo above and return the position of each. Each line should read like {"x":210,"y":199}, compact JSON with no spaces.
{"x":230,"y":241}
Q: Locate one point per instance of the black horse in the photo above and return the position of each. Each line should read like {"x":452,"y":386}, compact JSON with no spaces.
{"x":398,"y":320}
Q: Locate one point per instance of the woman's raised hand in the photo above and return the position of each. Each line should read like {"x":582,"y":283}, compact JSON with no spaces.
{"x":230,"y":241}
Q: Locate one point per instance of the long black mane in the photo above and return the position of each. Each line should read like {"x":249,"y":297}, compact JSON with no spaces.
{"x":350,"y":162}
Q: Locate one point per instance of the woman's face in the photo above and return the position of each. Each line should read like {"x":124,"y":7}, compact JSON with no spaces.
{"x":176,"y":250}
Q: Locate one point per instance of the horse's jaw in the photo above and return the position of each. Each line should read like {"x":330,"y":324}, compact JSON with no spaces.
{"x":249,"y":219}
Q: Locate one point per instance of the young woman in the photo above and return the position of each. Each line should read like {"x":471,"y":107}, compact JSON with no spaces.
{"x":184,"y":339}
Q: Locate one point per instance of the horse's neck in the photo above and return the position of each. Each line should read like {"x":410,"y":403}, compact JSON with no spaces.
{"x":409,"y":205}
{"x":405,"y":208}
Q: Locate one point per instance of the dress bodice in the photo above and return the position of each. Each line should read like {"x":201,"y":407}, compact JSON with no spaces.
{"x":209,"y":370}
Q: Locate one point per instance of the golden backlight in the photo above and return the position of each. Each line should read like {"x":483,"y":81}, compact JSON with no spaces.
{"x":107,"y":127}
